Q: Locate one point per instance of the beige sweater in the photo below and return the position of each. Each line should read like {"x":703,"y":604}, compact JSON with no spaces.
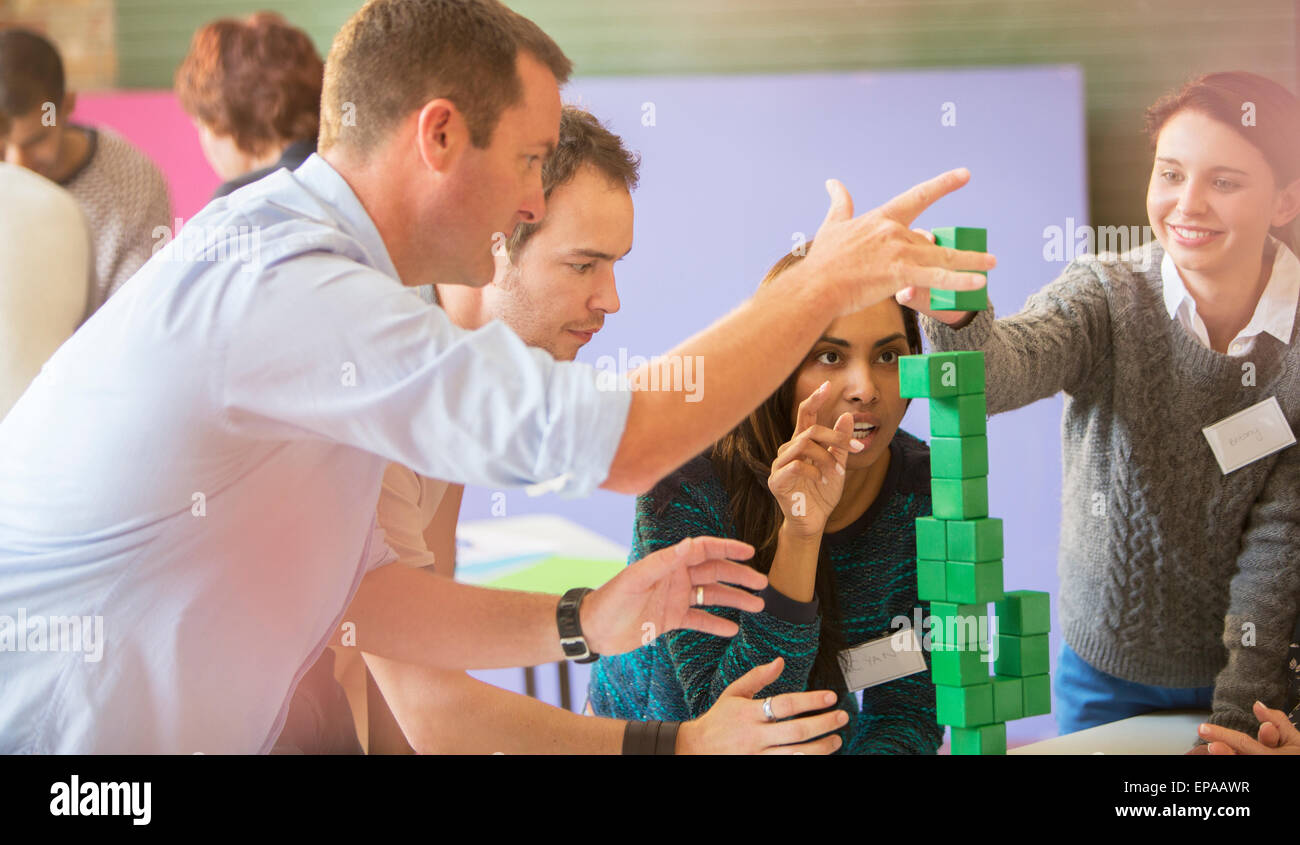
{"x":124,"y":198}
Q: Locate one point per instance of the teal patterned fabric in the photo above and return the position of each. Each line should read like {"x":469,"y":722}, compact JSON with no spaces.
{"x":680,"y":675}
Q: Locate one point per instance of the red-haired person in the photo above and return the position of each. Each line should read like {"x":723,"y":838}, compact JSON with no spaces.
{"x":253,"y":88}
{"x":1178,"y":571}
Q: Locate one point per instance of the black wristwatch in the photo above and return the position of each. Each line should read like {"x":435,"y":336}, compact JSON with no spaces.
{"x":566,"y":619}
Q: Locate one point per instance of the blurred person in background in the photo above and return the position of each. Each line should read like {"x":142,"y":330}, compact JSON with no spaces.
{"x":121,"y":192}
{"x":44,"y":276}
{"x":252,"y":87}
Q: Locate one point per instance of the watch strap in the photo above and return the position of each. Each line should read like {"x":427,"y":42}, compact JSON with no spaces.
{"x":651,"y":737}
{"x":568,"y":622}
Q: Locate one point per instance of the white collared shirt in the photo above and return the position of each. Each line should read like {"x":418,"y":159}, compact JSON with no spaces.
{"x":195,"y":471}
{"x":1274,"y":313}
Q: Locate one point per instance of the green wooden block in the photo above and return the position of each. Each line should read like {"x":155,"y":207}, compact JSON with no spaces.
{"x":960,"y":498}
{"x":1037,"y":691}
{"x":974,"y":582}
{"x":941,"y":374}
{"x":931,"y":539}
{"x":964,"y":707}
{"x":1024,"y":612}
{"x":948,"y":608}
{"x":959,"y":457}
{"x":974,"y":539}
{"x":956,"y":626}
{"x":968,"y":238}
{"x":1021,"y":656}
{"x":985,"y":739}
{"x":957,"y":668}
{"x":958,"y":416}
{"x":1008,"y":698}
{"x":931,"y":580}
{"x":931,"y":376}
{"x":959,"y":300}
{"x":970,"y":372}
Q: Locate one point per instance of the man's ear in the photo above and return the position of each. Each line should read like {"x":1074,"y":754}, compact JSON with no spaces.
{"x":441,"y":134}
{"x":69,"y":103}
{"x":1288,"y":205}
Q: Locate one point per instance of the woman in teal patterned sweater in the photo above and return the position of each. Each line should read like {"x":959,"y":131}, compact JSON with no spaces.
{"x":827,"y":488}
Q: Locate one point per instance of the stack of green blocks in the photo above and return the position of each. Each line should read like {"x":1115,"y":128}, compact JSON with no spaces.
{"x":959,"y":550}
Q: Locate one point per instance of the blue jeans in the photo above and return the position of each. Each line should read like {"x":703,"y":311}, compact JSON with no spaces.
{"x":1087,"y":697}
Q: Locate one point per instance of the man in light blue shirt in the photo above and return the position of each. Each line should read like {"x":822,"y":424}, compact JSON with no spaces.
{"x":197,"y":467}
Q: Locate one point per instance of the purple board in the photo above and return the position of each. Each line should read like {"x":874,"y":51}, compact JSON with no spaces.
{"x":733,"y":168}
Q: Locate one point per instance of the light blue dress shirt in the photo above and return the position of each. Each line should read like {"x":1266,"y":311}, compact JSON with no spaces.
{"x":194,"y":474}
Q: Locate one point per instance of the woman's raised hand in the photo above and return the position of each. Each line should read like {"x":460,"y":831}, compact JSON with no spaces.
{"x":807,"y":476}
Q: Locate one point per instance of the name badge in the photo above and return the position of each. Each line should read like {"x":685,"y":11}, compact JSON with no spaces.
{"x":886,"y":659}
{"x":1249,"y":435}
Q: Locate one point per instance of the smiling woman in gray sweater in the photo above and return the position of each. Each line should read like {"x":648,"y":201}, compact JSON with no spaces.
{"x":1178,"y":582}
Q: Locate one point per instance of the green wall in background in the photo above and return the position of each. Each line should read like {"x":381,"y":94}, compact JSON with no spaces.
{"x":1131,"y":50}
{"x":154,"y":35}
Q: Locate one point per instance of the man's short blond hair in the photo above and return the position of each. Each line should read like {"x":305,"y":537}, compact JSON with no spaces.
{"x":393,"y":56}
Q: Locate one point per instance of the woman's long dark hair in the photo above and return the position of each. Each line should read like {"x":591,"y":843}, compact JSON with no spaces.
{"x":743,"y":460}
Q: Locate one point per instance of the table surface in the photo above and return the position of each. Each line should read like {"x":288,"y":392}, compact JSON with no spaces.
{"x":536,"y":550}
{"x":1164,"y":732}
{"x":544,"y":553}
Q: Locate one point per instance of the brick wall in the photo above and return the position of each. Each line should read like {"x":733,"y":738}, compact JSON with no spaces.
{"x":84,"y":30}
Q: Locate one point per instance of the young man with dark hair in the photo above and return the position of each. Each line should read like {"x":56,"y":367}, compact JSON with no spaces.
{"x":121,"y":192}
{"x":555,"y":295}
{"x":200,"y":468}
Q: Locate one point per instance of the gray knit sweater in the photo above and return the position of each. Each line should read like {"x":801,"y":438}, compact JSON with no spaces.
{"x":1163,"y":585}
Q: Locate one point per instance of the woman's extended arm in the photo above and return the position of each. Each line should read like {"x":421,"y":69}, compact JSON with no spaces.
{"x":1053,"y":344}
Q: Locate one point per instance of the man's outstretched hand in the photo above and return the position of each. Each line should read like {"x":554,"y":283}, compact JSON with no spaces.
{"x":859,"y":261}
{"x":658,"y":594}
{"x":736,"y":723}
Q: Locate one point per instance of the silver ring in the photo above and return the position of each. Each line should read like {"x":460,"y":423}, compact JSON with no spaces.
{"x":767,"y":709}
{"x":699,"y":595}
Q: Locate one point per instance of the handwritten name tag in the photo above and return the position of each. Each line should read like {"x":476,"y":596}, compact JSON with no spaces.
{"x":895,"y":656}
{"x":1249,"y":435}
